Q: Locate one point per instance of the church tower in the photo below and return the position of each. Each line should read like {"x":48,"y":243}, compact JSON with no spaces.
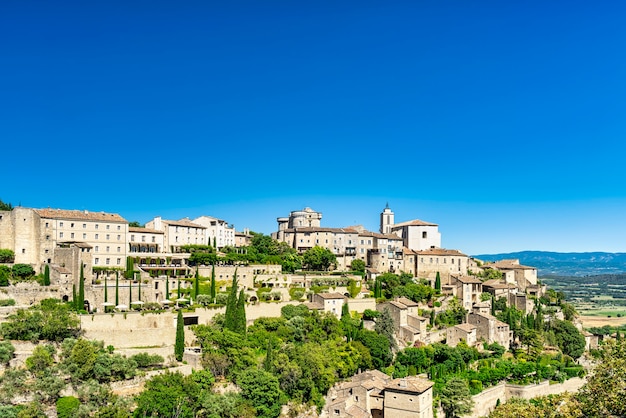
{"x":386,"y":220}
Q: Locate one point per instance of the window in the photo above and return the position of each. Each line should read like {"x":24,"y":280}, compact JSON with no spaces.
{"x":23,"y":250}
{"x":108,"y":236}
{"x":96,"y":248}
{"x":107,"y":248}
{"x":96,"y":260}
{"x":96,"y":236}
{"x":84,"y":236}
{"x":47,"y":237}
{"x":119,"y":261}
{"x":108,"y":226}
{"x":72,"y":235}
{"x":72,"y":225}
{"x":46,"y":224}
{"x":153,"y":239}
{"x":119,"y":227}
{"x":108,"y":261}
{"x":424,"y":234}
{"x":119,"y":237}
{"x":132,"y":237}
{"x":61,"y":224}
{"x":60,"y":234}
{"x":119,"y":249}
{"x":96,"y":226}
{"x":143,"y":238}
{"x":84,"y":226}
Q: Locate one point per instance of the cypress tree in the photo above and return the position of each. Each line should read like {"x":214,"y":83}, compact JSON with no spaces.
{"x":179,"y":347}
{"x":346,"y":321}
{"x":139,"y":290}
{"x":213,"y":288}
{"x":117,"y":288}
{"x":106,"y":289}
{"x":438,"y":282}
{"x":167,"y":287}
{"x":196,"y":284}
{"x":178,"y":289}
{"x":493,"y":305}
{"x":74,"y":297}
{"x":230,"y":321}
{"x":240,"y":314}
{"x":81,"y":289}
{"x":46,"y":275}
{"x":130,"y":293}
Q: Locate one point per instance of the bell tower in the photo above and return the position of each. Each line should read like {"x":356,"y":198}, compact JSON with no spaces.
{"x":386,"y":220}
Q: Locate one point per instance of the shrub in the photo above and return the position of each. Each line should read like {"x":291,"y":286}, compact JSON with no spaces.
{"x":7,"y":302}
{"x":67,"y":407}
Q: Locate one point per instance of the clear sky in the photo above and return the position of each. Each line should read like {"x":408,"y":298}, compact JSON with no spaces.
{"x":501,"y":121}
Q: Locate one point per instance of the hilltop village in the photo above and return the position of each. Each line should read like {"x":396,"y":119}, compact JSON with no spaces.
{"x":129,"y":277}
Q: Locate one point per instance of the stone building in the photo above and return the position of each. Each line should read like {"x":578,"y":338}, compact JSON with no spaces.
{"x":218,"y":232}
{"x":462,"y":332}
{"x":490,"y":329}
{"x":374,"y":394}
{"x":409,"y":325}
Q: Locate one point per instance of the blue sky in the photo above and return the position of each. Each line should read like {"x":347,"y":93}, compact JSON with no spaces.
{"x":503,"y":122}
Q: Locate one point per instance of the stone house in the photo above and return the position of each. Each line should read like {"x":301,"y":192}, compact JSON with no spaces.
{"x":462,"y":332}
{"x":490,"y":329}
{"x":374,"y":394}
{"x":409,"y":325}
{"x":328,"y":302}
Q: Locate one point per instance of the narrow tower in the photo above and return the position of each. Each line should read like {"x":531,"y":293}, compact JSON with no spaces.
{"x":386,"y":220}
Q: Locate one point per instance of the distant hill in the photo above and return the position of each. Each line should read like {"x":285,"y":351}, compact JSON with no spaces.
{"x":565,"y":264}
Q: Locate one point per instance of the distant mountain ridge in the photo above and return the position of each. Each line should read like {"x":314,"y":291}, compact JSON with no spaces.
{"x":565,"y":264}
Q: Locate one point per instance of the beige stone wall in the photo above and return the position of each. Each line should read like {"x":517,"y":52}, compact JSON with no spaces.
{"x":134,"y":329}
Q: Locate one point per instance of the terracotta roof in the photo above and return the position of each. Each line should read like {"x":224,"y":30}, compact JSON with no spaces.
{"x":467,"y":279}
{"x":466,"y":327}
{"x":331,"y":295}
{"x":414,"y":222}
{"x":407,"y":302}
{"x":511,"y":264}
{"x":441,"y":251}
{"x":79,"y":215}
{"x":183,"y":222}
{"x":321,"y":229}
{"x":410,"y":384}
{"x":146,"y":230}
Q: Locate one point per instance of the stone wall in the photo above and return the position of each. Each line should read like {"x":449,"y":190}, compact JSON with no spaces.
{"x":486,"y":401}
{"x":134,"y":329}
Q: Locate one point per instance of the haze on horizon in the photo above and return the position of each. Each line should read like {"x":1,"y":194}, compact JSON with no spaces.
{"x":501,"y":122}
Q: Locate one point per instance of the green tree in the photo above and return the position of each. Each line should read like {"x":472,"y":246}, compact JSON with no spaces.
{"x":179,"y":347}
{"x":603,"y":394}
{"x":318,"y":258}
{"x":81,"y":289}
{"x":6,"y":255}
{"x":6,"y":352}
{"x":5,"y":275}
{"x":262,"y":389}
{"x":213,"y":286}
{"x":117,"y":288}
{"x":40,"y":360}
{"x":46,"y":275}
{"x":230,"y":315}
{"x":568,"y":338}
{"x":22,"y":271}
{"x":358,"y":265}
{"x":385,"y":326}
{"x":240,"y":314}
{"x":455,"y":398}
{"x":67,"y":407}
{"x":168,"y":395}
{"x":438,"y":283}
{"x":196,"y":284}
